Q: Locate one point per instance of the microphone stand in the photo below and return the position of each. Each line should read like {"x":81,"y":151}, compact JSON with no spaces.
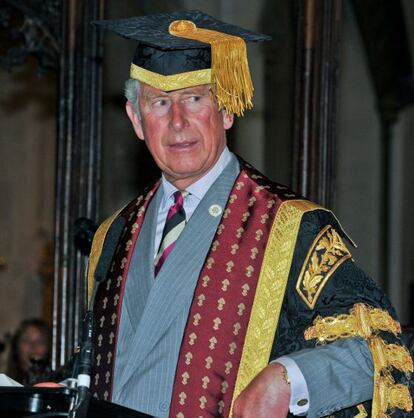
{"x":84,"y":363}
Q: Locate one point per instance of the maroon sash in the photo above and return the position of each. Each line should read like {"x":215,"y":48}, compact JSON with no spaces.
{"x":108,"y":305}
{"x":219,"y":316}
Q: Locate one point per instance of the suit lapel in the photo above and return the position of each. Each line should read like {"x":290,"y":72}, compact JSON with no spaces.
{"x":173,"y":288}
{"x":138,"y":286}
{"x":140,"y":275}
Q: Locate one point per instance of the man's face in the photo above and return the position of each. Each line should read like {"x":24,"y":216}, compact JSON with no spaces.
{"x":183,"y":130}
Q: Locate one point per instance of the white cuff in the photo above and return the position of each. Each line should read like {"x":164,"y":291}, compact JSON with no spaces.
{"x":299,"y":394}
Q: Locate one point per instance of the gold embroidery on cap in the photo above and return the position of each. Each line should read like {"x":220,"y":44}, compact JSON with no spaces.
{"x":171,"y":82}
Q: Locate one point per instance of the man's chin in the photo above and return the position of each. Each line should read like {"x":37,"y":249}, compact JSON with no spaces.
{"x":185,"y":177}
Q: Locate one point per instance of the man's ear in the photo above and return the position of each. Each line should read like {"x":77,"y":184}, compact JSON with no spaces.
{"x":135,"y":120}
{"x":228,"y":119}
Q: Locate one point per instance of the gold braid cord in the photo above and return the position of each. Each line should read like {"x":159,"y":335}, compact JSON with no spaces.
{"x":230,"y":75}
{"x":364,"y":321}
{"x":362,"y":413}
{"x":387,"y":356}
{"x":387,"y":394}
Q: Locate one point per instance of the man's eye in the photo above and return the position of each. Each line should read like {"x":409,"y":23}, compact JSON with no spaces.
{"x":194,"y":98}
{"x":160,"y":102}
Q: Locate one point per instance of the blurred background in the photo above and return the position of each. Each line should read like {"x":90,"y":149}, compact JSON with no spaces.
{"x":332,"y":118}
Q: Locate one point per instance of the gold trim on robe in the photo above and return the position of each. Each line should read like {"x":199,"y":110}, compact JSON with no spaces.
{"x":270,"y":291}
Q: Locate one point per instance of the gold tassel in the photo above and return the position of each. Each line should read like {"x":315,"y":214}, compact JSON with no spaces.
{"x":230,"y":75}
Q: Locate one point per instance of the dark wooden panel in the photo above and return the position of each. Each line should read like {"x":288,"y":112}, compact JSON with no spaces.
{"x":78,"y":164}
{"x":318,"y":24}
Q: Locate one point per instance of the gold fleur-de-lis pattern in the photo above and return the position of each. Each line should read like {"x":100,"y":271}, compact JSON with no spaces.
{"x":326,"y":254}
{"x":109,"y":298}
{"x":223,"y":300}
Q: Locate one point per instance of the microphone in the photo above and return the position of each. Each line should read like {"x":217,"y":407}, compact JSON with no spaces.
{"x":108,"y":250}
{"x":85,"y":229}
{"x":84,"y":362}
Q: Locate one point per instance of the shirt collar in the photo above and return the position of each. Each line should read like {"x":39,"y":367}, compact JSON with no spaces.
{"x":201,"y":186}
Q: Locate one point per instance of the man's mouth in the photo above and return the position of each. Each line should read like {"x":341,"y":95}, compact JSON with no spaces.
{"x":182,"y":145}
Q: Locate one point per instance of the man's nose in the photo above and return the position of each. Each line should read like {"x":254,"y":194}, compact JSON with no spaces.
{"x":178,"y":117}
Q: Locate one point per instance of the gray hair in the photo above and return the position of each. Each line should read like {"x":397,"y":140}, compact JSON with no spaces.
{"x":131,"y":91}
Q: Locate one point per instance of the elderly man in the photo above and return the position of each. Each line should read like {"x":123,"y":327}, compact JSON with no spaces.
{"x":223,"y":283}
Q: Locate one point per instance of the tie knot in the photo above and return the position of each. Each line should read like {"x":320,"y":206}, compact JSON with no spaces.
{"x":179,"y":197}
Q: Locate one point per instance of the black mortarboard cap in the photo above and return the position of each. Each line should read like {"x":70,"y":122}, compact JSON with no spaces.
{"x":195,"y":49}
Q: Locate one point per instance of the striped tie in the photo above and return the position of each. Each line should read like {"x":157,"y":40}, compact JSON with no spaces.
{"x":172,"y":229}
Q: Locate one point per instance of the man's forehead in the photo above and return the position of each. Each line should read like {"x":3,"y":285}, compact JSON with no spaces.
{"x":147,"y":90}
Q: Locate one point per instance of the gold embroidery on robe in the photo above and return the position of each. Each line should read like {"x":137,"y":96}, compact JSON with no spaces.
{"x":326,"y":254}
{"x":388,"y":396}
{"x":387,"y":356}
{"x":362,"y":413}
{"x":361,"y":321}
{"x":270,"y":291}
{"x":366,"y":322}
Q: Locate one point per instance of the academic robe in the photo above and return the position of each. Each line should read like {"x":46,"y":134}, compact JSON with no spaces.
{"x":258,"y":272}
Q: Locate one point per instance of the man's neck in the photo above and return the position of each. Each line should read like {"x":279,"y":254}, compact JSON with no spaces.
{"x":200,"y":186}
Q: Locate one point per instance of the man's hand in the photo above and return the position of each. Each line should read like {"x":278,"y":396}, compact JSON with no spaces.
{"x":267,"y":395}
{"x":48,"y":385}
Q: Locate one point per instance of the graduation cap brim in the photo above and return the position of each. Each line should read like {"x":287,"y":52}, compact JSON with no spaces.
{"x":152,"y":30}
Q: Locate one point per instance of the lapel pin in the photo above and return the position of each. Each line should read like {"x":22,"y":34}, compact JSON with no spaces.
{"x":215,"y":210}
